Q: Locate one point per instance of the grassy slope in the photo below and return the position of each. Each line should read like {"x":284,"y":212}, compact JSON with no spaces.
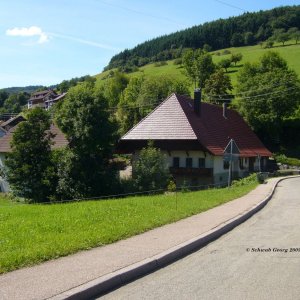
{"x":30,"y":234}
{"x":290,"y":53}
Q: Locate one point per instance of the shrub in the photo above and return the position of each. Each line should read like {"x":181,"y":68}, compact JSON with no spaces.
{"x":178,"y":61}
{"x":245,"y":181}
{"x":226,"y":51}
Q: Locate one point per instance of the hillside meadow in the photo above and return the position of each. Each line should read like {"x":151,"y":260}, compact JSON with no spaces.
{"x":290,"y":52}
{"x":31,"y":234}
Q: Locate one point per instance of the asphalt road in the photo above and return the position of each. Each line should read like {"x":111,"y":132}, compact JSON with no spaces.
{"x":256,"y":260}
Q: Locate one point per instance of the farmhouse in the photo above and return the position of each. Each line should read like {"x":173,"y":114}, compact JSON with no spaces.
{"x":44,"y":99}
{"x":193,"y":136}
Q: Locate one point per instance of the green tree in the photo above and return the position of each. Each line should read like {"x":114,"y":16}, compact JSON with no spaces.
{"x":3,"y":96}
{"x":225,"y":63}
{"x":15,"y":102}
{"x":236,"y":57}
{"x":30,"y":171}
{"x":249,"y":38}
{"x":268,"y":92}
{"x":113,"y":87}
{"x":198,"y":66}
{"x":150,"y":170}
{"x":237,"y":39}
{"x":218,"y":86}
{"x":85,"y":169}
{"x":128,"y":113}
{"x":283,"y":37}
{"x":269,"y":43}
{"x":294,"y":33}
{"x":143,"y":94}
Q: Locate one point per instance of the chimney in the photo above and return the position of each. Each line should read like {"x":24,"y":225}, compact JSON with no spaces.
{"x":225,"y":110}
{"x":197,"y":102}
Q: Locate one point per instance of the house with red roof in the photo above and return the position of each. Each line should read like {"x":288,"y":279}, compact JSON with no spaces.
{"x":193,"y":136}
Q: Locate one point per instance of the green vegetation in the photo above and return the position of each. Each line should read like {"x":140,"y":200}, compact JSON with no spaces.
{"x":290,"y":52}
{"x":83,"y":168}
{"x":270,"y":78}
{"x":290,"y":161}
{"x":30,"y":170}
{"x":151,"y":171}
{"x":246,"y":29}
{"x":30,"y":234}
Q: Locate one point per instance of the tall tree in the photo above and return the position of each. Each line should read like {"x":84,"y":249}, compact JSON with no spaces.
{"x":30,"y":170}
{"x":218,"y":86}
{"x":225,"y":63}
{"x":198,"y":66}
{"x":294,"y":33}
{"x":85,"y":119}
{"x":143,"y":94}
{"x":268,"y":93}
{"x":236,"y":57}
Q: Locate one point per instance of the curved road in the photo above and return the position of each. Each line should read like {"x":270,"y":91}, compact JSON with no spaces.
{"x":253,"y":261}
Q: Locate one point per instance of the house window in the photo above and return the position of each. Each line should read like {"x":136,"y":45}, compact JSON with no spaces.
{"x":201,"y":162}
{"x":226,"y":165}
{"x":241,"y":164}
{"x":175,"y":162}
{"x":189,"y":162}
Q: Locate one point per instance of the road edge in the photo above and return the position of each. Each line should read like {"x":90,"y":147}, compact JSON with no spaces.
{"x":115,"y":279}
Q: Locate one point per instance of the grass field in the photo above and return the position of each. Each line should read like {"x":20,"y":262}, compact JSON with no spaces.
{"x":30,"y":234}
{"x":290,"y":52}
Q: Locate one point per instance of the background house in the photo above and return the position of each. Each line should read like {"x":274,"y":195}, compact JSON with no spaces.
{"x":193,"y":136}
{"x":44,"y":99}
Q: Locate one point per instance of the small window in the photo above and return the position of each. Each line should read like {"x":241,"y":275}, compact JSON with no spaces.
{"x":241,"y":163}
{"x":201,"y":162}
{"x":189,"y":162}
{"x":226,"y":165}
{"x":176,"y":162}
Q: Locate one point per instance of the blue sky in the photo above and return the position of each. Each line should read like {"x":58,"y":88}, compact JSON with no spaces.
{"x":45,"y":42}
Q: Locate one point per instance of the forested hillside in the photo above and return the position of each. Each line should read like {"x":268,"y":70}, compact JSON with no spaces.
{"x":247,"y":29}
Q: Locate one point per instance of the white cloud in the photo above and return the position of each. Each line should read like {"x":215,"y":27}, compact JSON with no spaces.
{"x":29,"y":31}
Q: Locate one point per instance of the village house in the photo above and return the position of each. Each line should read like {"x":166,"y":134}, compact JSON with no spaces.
{"x":59,"y":141}
{"x":44,"y":99}
{"x":193,"y":136}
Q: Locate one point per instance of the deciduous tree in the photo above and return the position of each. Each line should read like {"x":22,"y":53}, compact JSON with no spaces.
{"x":30,"y":170}
{"x":198,"y":66}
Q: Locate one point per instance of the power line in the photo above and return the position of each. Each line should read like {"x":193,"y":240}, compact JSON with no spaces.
{"x":230,"y":5}
{"x":249,"y":91}
{"x":141,"y":12}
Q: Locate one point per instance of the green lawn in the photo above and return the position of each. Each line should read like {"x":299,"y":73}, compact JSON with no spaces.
{"x":30,"y":234}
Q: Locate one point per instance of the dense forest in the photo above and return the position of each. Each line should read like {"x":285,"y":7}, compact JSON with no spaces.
{"x":246,"y":29}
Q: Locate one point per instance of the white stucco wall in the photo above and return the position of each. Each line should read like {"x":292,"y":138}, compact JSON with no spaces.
{"x":195,"y":155}
{"x":4,"y":186}
{"x":220,"y":174}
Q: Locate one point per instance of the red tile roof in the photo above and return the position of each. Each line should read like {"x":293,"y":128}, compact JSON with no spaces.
{"x":175,"y":119}
{"x":59,"y":139}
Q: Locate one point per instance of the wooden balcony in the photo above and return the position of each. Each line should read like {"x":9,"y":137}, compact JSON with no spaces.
{"x":192,"y":171}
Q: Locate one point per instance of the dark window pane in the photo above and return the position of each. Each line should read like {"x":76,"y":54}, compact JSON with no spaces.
{"x":176,"y":162}
{"x":201,"y":162}
{"x":189,"y":162}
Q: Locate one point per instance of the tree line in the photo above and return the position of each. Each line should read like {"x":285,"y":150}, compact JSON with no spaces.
{"x":246,"y":29}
